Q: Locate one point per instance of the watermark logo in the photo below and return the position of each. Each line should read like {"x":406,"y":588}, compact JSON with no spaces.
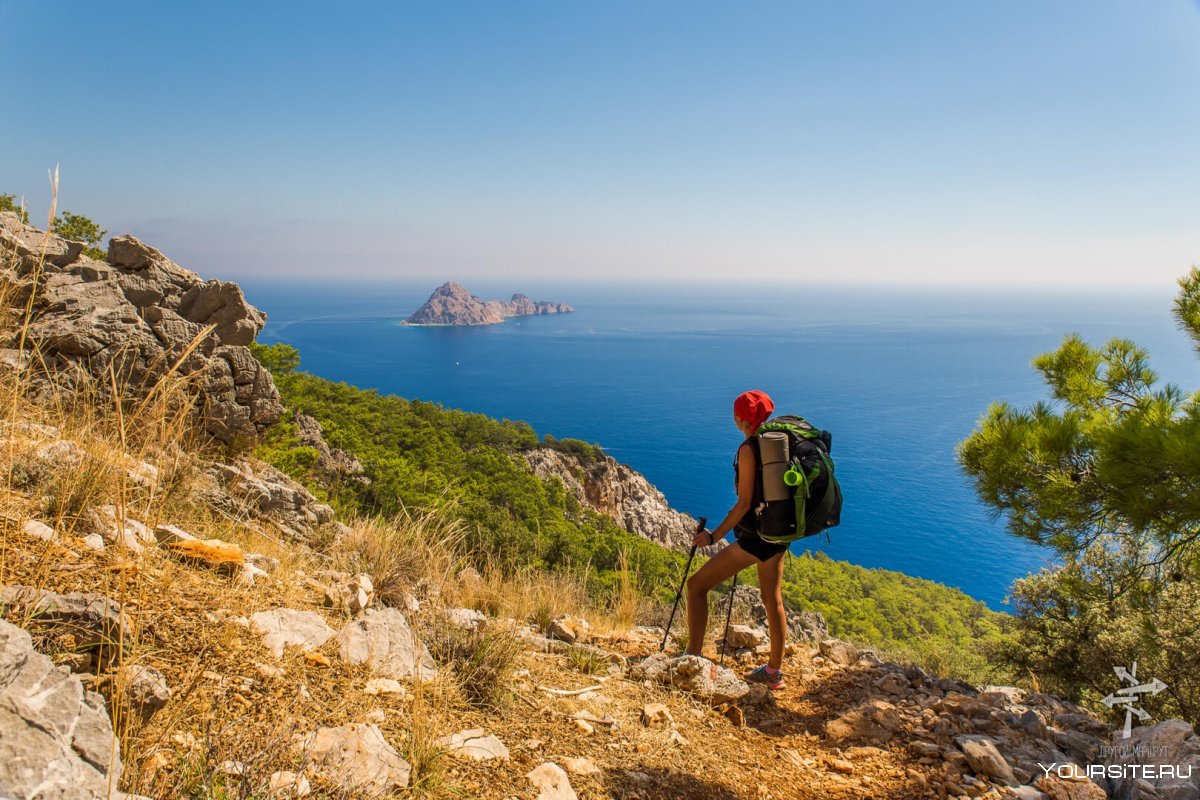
{"x":1128,"y":696}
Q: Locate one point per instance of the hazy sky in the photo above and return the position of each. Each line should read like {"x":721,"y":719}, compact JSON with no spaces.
{"x":972,"y":141}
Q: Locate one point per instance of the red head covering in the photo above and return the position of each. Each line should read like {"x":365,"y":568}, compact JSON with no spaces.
{"x":753,"y":406}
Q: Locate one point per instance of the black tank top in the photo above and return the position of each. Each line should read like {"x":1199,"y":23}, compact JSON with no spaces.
{"x":749,"y":523}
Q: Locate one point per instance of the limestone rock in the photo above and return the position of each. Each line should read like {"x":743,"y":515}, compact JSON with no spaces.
{"x":356,"y":758}
{"x":129,"y":533}
{"x":839,"y":652}
{"x":136,"y":314}
{"x":465,"y":617}
{"x":383,"y":640}
{"x":745,"y":636}
{"x":352,"y":594}
{"x":551,"y":782}
{"x":377,"y":686}
{"x":617,"y":491}
{"x":809,"y":626}
{"x":1028,"y":793}
{"x":144,"y":688}
{"x":473,"y":744}
{"x":287,"y":784}
{"x":28,"y":243}
{"x":1060,"y":788}
{"x":170,"y":534}
{"x":289,"y":626}
{"x":252,"y":488}
{"x":38,"y":530}
{"x":568,"y":629}
{"x":329,"y":459}
{"x":56,"y":740}
{"x":875,"y":721}
{"x":893,"y":683}
{"x":93,"y":620}
{"x":452,"y":304}
{"x":1171,"y":742}
{"x":693,"y":674}
{"x":985,"y":759}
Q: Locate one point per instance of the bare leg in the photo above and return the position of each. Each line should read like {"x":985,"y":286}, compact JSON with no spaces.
{"x":730,"y":560}
{"x":770,"y":582}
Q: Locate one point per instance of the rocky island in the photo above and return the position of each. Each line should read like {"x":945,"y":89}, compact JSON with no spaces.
{"x":452,"y":304}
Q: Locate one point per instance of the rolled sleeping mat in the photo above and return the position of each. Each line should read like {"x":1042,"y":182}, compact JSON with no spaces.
{"x":773,"y":449}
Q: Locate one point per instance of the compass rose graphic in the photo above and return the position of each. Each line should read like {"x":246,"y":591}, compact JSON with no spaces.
{"x":1129,"y":695}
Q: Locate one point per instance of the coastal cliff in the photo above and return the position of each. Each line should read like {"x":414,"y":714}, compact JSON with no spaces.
{"x":452,"y":304}
{"x":178,"y":619}
{"x":618,"y":491}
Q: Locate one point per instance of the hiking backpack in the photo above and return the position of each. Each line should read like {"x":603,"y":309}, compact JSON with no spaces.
{"x":814,"y":503}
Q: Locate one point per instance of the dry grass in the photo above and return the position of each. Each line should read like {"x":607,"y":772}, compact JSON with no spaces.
{"x":529,"y":595}
{"x":482,"y":658}
{"x":411,"y":554}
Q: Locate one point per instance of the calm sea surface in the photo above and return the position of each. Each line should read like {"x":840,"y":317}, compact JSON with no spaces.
{"x":650,"y":373}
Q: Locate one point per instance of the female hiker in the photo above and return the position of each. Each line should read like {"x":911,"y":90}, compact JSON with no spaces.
{"x":750,"y":410}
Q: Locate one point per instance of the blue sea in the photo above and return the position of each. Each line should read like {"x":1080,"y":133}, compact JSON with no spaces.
{"x":650,"y":372}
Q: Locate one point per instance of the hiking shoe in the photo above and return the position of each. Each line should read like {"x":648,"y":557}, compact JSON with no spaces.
{"x":770,"y":680}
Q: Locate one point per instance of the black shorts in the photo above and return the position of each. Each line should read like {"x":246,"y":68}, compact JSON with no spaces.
{"x":756,"y":546}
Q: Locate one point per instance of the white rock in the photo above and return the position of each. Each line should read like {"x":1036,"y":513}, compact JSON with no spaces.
{"x":289,"y":626}
{"x":473,"y":744}
{"x":746,"y":636}
{"x":465,"y":617}
{"x":694,"y":674}
{"x":169,"y":534}
{"x":38,"y":530}
{"x":56,"y":740}
{"x":288,"y":784}
{"x":248,"y":574}
{"x":356,"y":758}
{"x":377,"y":686}
{"x":384,"y":642}
{"x":551,"y":782}
{"x":94,"y":542}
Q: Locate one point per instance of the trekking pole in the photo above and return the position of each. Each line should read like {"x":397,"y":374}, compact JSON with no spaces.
{"x":683,"y":580}
{"x":728,"y":616}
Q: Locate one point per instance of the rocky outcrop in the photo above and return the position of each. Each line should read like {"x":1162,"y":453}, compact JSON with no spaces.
{"x":259,"y":491}
{"x":93,"y":620}
{"x":617,"y":491}
{"x":329,"y":459}
{"x":1170,"y":750}
{"x":56,"y":740}
{"x":693,"y":674}
{"x":451,"y":304}
{"x":143,"y":316}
